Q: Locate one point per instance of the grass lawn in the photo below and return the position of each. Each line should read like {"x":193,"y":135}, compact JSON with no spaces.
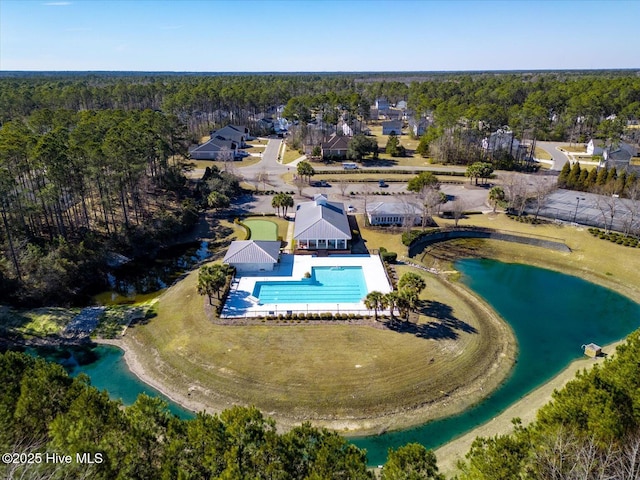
{"x":245,"y":162}
{"x":574,"y":148}
{"x":374,"y":379}
{"x":290,"y":155}
{"x":262,"y":229}
{"x":39,"y":322}
{"x":542,"y":154}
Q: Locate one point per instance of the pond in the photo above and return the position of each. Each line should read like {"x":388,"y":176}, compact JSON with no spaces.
{"x":142,"y":280}
{"x":552,"y":316}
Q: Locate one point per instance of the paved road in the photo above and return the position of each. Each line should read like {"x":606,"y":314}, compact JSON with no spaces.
{"x":559,"y":158}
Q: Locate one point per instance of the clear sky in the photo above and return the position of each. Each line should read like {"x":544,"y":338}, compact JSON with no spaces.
{"x":321,"y":35}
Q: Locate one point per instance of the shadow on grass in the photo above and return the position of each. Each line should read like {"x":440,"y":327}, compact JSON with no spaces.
{"x":445,"y":326}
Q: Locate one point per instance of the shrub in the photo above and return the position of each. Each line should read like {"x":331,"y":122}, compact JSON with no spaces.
{"x":389,"y":257}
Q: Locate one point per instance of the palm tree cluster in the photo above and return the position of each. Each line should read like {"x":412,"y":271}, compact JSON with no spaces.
{"x":282,"y":201}
{"x":212,"y":279}
{"x":405,"y":299}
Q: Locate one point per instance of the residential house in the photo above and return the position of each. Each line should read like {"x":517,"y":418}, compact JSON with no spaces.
{"x":501,"y":140}
{"x":237,"y":133}
{"x":418,"y":127}
{"x":217,"y":148}
{"x":335,"y":146}
{"x":594,"y":147}
{"x":253,"y":255}
{"x":394,"y":213}
{"x":321,"y":225}
{"x":392,"y":126}
{"x":401,"y":105}
{"x":382,"y":105}
{"x":619,"y":155}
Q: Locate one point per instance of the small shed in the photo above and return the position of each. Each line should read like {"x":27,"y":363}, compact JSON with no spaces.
{"x":592,"y":350}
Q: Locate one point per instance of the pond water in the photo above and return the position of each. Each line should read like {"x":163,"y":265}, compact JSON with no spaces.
{"x":142,"y":280}
{"x":552,"y":316}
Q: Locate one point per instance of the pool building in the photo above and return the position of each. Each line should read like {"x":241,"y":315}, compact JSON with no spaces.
{"x":321,"y":225}
{"x":321,"y":276}
{"x":307,"y":284}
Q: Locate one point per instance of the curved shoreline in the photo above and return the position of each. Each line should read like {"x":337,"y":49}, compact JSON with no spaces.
{"x":525,"y":409}
{"x":453,"y":402}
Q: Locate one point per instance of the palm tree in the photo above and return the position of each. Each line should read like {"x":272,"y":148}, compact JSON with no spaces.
{"x":374,"y":301}
{"x":407,"y":300}
{"x":391,"y":301}
{"x":496,"y":195}
{"x":276,"y":202}
{"x":286,"y":203}
{"x":412,"y":281}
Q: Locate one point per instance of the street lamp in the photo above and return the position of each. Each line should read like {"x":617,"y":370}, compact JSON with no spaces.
{"x":577,"y":204}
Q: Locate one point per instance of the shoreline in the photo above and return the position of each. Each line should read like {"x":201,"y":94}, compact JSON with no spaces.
{"x":525,"y":409}
{"x":452,"y":403}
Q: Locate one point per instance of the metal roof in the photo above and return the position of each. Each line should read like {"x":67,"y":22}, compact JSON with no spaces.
{"x":253,"y":251}
{"x":321,"y":219}
{"x":395,"y":208}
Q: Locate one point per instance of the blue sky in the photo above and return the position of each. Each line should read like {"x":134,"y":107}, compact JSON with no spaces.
{"x":321,"y":35}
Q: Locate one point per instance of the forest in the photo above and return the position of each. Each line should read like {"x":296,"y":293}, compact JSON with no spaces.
{"x":94,"y":163}
{"x":590,"y":430}
{"x":45,"y":412}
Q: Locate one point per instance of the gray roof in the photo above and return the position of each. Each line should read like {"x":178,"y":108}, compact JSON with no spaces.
{"x":215,"y":144}
{"x":321,"y":219}
{"x":253,"y":251}
{"x":336,"y":142}
{"x":393,"y":124}
{"x":396,"y":208}
{"x":232,"y":132}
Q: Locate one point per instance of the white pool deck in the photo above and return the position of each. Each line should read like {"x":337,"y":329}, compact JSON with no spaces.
{"x":241,"y":302}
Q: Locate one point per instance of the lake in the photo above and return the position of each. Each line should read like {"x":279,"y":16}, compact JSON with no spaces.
{"x":552,"y":316}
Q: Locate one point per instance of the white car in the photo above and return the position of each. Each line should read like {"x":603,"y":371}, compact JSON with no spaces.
{"x":351,"y":209}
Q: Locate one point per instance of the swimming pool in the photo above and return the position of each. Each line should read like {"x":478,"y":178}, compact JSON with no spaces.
{"x":326,"y":285}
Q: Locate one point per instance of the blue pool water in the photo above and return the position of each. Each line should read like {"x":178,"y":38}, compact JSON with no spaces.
{"x":326,"y":285}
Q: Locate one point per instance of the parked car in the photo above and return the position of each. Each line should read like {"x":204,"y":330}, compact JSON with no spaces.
{"x":382,"y":184}
{"x":351,"y":209}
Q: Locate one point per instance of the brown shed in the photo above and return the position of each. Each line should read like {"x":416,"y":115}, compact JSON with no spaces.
{"x":592,"y":350}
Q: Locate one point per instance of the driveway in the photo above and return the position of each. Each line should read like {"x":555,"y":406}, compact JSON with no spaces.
{"x":559,"y":158}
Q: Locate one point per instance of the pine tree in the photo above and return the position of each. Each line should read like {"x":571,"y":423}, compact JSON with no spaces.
{"x":591,"y":179}
{"x":601,"y":180}
{"x":574,"y":176}
{"x":564,"y":175}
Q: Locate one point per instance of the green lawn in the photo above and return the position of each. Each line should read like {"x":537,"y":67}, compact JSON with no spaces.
{"x":262,"y":229}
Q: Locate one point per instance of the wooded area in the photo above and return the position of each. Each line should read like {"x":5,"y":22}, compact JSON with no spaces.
{"x":93,"y":163}
{"x":591,"y":429}
{"x":44,"y":411}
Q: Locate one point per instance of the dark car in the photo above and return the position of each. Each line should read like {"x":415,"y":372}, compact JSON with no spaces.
{"x":382,"y":184}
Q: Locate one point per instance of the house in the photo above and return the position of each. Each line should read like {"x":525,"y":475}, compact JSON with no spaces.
{"x":392,"y":126}
{"x":501,"y":140}
{"x":321,"y":224}
{"x":388,"y":213}
{"x":382,"y":104}
{"x":401,"y":105}
{"x":217,"y":148}
{"x":418,"y":127}
{"x":335,"y":146}
{"x":618,"y":155}
{"x":253,"y":255}
{"x":236,"y":133}
{"x":594,"y":147}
